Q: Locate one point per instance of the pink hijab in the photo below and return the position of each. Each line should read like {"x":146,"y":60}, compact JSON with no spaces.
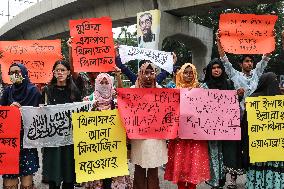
{"x":103,"y":94}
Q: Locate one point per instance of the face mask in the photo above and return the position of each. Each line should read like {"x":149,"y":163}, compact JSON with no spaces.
{"x":16,"y":78}
{"x":104,"y":90}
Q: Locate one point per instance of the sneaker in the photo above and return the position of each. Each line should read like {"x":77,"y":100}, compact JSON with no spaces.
{"x":232,"y":183}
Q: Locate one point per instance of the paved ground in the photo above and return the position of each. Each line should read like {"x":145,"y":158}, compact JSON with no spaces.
{"x":163,"y":184}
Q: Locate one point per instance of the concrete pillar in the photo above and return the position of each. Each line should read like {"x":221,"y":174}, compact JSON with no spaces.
{"x":196,"y":37}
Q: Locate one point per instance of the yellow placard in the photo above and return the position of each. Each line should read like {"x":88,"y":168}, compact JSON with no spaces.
{"x":99,"y":145}
{"x":266,"y":128}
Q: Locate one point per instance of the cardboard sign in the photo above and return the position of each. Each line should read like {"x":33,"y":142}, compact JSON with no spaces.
{"x":209,"y":114}
{"x":10,"y":125}
{"x":93,"y":45}
{"x":149,"y":113}
{"x":247,"y":33}
{"x":38,"y":56}
{"x":265,"y":128}
{"x":99,"y":145}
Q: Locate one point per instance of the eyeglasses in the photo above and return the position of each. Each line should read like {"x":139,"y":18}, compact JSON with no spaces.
{"x":17,"y":72}
{"x":59,"y":70}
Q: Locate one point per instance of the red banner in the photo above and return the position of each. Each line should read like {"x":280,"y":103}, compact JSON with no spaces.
{"x":93,"y":45}
{"x":10,"y":124}
{"x":37,"y":55}
{"x":149,"y":113}
{"x":247,"y":33}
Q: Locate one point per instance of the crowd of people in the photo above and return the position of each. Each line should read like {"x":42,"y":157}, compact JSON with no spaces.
{"x":188,"y":162}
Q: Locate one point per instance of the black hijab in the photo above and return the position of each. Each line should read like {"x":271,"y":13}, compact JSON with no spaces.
{"x":26,"y":93}
{"x":220,"y":82}
{"x":267,"y":85}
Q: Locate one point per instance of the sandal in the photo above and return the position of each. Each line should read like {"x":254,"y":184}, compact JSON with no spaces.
{"x":233,"y":182}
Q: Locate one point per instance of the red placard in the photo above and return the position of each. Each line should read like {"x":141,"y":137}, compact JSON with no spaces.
{"x":10,"y":124}
{"x":247,"y":33}
{"x":149,"y":113}
{"x":93,"y":45}
{"x":38,"y":56}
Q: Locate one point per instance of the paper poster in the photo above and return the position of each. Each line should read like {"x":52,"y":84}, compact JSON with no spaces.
{"x":148,"y":29}
{"x":38,"y":56}
{"x":265,"y":117}
{"x":209,"y":114}
{"x":92,"y":45}
{"x":10,"y":125}
{"x":149,"y":113}
{"x":160,"y":58}
{"x":99,"y":145}
{"x":247,"y":33}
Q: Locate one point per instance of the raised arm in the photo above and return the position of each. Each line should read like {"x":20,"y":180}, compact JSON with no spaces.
{"x":230,"y":70}
{"x":75,"y":75}
{"x":125,"y":70}
{"x":118,"y":77}
{"x":260,"y":66}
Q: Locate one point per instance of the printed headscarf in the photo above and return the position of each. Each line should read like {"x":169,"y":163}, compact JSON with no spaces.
{"x":139,"y":81}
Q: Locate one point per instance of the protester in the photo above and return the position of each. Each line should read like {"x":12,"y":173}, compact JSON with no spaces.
{"x":266,"y":175}
{"x":247,"y":80}
{"x":148,"y":154}
{"x":188,"y":160}
{"x":132,"y":77}
{"x":58,"y":162}
{"x":103,"y":98}
{"x":223,"y":154}
{"x":21,"y":93}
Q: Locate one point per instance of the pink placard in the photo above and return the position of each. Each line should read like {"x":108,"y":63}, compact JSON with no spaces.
{"x":209,"y":114}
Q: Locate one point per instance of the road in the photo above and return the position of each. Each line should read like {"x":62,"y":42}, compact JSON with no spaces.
{"x":163,"y":184}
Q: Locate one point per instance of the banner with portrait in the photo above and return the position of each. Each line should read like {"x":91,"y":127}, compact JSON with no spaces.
{"x":148,"y":29}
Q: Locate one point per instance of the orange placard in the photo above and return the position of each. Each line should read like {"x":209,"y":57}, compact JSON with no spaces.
{"x":37,"y":55}
{"x":93,"y":45}
{"x":10,"y":125}
{"x":149,"y":113}
{"x":247,"y":33}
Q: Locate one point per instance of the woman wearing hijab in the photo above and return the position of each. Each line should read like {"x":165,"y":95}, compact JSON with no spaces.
{"x":103,"y":98}
{"x":222,"y":153}
{"x":21,"y":93}
{"x":266,"y":175}
{"x":104,"y":92}
{"x":58,"y":162}
{"x":148,"y":154}
{"x":188,"y":163}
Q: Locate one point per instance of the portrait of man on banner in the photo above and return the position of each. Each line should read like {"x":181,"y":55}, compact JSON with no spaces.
{"x":148,"y":30}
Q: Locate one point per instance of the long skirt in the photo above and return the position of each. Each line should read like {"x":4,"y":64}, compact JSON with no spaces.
{"x":149,"y":153}
{"x":188,"y":161}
